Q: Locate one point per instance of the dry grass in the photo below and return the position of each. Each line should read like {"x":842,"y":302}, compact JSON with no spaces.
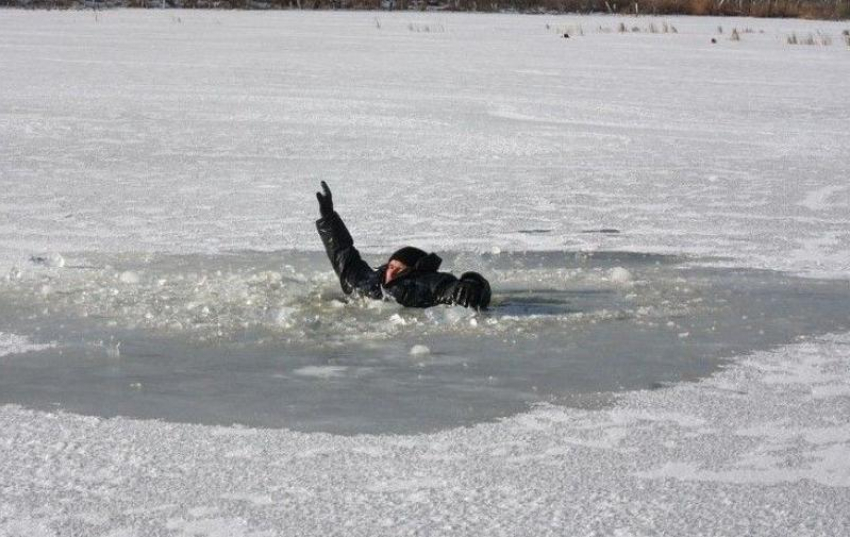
{"x":651,"y":28}
{"x":571,"y":30}
{"x":668,"y":28}
{"x":426,"y":28}
{"x":809,"y":9}
{"x":813,"y":39}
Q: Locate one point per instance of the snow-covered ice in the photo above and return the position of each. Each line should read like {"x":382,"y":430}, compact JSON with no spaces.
{"x":741,"y":453}
{"x":152,"y":132}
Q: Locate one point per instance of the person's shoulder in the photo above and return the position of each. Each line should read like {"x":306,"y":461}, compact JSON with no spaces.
{"x":434,"y":280}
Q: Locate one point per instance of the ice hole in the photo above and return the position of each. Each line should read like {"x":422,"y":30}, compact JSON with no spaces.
{"x":269,"y":339}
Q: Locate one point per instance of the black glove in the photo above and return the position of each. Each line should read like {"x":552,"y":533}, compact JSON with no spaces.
{"x":472,"y":291}
{"x":466,"y":294}
{"x":326,"y":202}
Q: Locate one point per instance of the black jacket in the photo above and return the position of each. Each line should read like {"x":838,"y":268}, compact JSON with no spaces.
{"x":420,"y":286}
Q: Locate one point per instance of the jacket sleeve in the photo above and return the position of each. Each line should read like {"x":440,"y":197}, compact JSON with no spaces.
{"x":353,"y":272}
{"x":445,"y":290}
{"x":425,"y":290}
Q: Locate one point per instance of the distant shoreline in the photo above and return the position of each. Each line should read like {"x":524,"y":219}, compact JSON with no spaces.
{"x":799,"y":9}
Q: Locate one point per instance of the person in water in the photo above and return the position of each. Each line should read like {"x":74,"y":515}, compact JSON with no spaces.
{"x":410,"y":276}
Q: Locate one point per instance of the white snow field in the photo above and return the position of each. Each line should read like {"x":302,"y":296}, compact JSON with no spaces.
{"x":207,"y":133}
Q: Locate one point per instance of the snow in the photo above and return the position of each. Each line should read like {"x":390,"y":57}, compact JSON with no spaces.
{"x":620,"y":275}
{"x":207,"y":132}
{"x":419,"y":350}
{"x":12,"y":344}
{"x":328,"y":371}
{"x":50,"y":260}
{"x":211,"y":134}
{"x":129,"y":277}
{"x":733,"y":454}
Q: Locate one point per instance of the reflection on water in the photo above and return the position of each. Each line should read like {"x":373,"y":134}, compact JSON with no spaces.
{"x":268,"y":339}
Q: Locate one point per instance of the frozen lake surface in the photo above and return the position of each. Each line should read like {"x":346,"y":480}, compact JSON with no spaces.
{"x":171,"y":145}
{"x":269,"y":340}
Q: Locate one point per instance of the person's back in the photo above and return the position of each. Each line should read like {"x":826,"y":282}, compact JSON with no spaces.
{"x":411,"y":276}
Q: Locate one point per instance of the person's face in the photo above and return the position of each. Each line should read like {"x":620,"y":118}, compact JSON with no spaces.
{"x":394,"y":268}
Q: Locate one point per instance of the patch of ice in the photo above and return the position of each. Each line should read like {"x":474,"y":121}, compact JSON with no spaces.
{"x":15,"y":344}
{"x":321,"y":371}
{"x":129,"y":277}
{"x":619,"y":275}
{"x":419,"y":350}
{"x":448,"y":315}
{"x":284,"y":316}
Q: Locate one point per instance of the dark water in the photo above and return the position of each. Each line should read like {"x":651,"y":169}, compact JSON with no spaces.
{"x":267,"y":339}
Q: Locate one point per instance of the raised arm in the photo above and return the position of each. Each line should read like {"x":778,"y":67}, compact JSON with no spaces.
{"x":354,"y":274}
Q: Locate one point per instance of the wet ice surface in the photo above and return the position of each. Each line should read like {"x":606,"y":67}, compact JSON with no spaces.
{"x":268,"y":339}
